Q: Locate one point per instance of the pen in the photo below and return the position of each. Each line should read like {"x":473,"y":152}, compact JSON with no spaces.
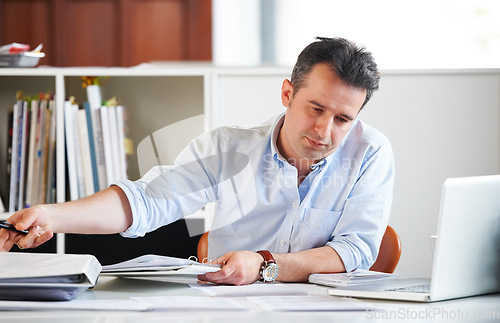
{"x":8,"y":226}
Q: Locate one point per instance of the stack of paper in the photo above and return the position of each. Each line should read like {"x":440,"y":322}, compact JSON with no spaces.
{"x":351,"y":278}
{"x":29,"y":276}
{"x":160,"y":268}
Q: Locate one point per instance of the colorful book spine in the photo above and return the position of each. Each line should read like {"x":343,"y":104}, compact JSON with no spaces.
{"x":92,"y":143}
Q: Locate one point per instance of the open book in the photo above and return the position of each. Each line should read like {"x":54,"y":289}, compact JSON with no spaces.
{"x":351,"y":278}
{"x":162,"y":268}
{"x":39,"y":276}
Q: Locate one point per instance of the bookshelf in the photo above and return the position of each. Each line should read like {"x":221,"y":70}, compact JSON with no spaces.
{"x":153,"y":96}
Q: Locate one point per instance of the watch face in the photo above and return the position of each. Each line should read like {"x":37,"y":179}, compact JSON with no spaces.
{"x":270,"y":272}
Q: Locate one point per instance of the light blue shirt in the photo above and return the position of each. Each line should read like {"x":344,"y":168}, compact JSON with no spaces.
{"x":343,"y":203}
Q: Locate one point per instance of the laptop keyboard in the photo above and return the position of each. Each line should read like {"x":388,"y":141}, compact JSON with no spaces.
{"x":424,"y":289}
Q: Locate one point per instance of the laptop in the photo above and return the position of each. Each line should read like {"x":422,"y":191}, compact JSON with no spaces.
{"x":467,"y":252}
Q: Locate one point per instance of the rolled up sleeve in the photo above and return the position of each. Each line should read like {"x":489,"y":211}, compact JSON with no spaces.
{"x":366,"y":212}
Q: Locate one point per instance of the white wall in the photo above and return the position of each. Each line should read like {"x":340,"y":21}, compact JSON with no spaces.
{"x":441,"y":124}
{"x":400,"y":34}
{"x":236,"y":32}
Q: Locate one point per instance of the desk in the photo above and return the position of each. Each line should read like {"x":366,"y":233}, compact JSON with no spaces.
{"x":476,"y":309}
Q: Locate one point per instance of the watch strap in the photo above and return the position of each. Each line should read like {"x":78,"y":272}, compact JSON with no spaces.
{"x":268,"y":257}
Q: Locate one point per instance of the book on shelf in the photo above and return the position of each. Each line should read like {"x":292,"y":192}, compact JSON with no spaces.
{"x":40,"y":162}
{"x":44,"y":156}
{"x":84,"y":156}
{"x":92,"y":142}
{"x":28,"y":169}
{"x":31,"y":154}
{"x":14,"y":148}
{"x":107,"y":145}
{"x":95,"y":142}
{"x":113,"y":137}
{"x":92,"y":106}
{"x":121,"y":130}
{"x":115,"y":152}
{"x":69,"y":131}
{"x":78,"y":158}
{"x":51,"y":178}
{"x":106,"y":137}
{"x":23,"y":133}
{"x":38,"y":137}
{"x":18,"y":155}
{"x":7,"y":183}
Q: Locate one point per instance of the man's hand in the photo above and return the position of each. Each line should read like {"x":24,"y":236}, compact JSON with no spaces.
{"x":243,"y":267}
{"x":36,"y":220}
{"x":239,"y":268}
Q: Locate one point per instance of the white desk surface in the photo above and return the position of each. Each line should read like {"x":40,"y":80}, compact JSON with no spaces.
{"x":474,"y":309}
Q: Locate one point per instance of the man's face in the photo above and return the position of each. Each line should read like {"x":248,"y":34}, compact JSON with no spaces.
{"x":318,"y":116}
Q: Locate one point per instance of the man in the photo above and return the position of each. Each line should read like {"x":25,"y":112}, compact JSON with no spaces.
{"x":311,"y":190}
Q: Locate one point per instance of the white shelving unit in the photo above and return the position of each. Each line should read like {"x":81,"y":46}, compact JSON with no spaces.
{"x":155,"y":96}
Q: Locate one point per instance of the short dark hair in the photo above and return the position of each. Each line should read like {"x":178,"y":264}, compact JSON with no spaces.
{"x":353,"y":65}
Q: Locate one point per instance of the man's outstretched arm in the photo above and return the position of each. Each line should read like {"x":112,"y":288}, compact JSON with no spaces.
{"x":105,"y":212}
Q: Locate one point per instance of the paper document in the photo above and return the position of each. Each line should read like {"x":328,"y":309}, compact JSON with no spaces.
{"x":87,"y":305}
{"x":135,"y":304}
{"x":148,"y":262}
{"x":189,"y":303}
{"x":154,"y":267}
{"x":256,"y":289}
{"x":310,"y":303}
{"x":156,"y":263}
{"x":351,"y":278}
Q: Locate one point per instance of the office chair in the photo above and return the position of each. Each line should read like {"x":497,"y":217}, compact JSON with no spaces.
{"x":387,"y":260}
{"x":389,"y":252}
{"x":202,"y":250}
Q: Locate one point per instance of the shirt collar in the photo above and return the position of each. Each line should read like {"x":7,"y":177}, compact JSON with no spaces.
{"x":320,"y":163}
{"x":278,"y":158}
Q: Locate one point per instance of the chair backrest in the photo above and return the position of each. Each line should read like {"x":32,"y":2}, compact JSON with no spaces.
{"x":389,"y":252}
{"x":202,"y":250}
{"x":387,"y":260}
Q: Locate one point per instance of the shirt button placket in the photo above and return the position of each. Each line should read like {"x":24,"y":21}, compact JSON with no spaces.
{"x":292,"y":196}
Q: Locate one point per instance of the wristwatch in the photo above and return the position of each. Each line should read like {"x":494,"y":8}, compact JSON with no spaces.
{"x":269,"y":269}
